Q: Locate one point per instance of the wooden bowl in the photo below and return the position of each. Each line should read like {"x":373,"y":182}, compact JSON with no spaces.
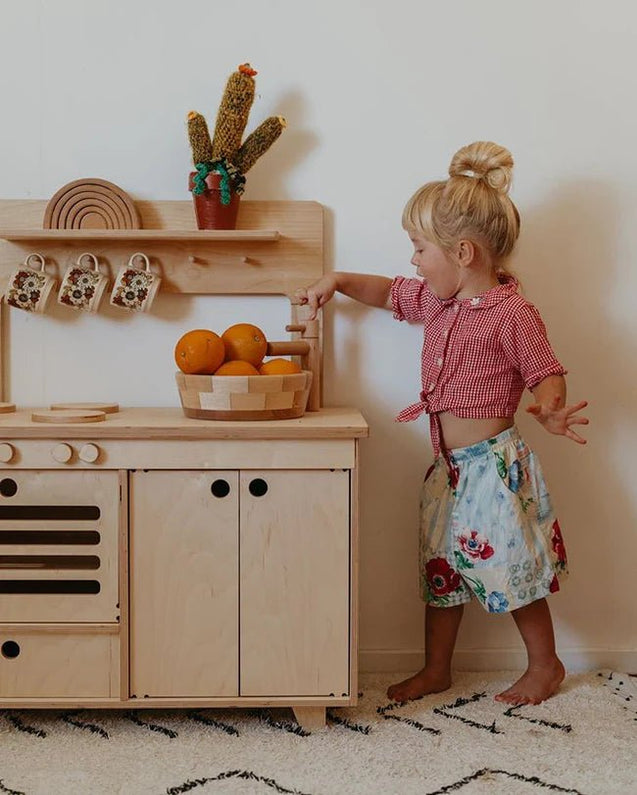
{"x":244,"y":397}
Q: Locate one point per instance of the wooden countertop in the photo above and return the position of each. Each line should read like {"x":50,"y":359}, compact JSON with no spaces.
{"x":170,"y":423}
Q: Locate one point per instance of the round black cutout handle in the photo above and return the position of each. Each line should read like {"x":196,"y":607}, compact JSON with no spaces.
{"x":220,"y":488}
{"x":10,"y":649}
{"x":8,"y":487}
{"x":257,"y":487}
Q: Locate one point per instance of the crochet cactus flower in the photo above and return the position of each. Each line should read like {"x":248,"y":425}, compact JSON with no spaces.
{"x":224,"y":153}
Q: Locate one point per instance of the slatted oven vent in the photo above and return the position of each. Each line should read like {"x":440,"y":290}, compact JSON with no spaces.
{"x":42,"y":552}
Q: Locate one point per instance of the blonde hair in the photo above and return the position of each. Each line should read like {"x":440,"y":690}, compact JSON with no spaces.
{"x":473,"y":203}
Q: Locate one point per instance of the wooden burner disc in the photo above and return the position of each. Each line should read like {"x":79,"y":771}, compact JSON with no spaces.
{"x":107,"y":408}
{"x":68,"y":415}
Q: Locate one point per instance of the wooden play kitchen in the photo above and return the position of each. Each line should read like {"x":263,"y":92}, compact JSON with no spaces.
{"x":154,"y":559}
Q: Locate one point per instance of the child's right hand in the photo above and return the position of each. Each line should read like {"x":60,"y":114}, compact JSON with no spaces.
{"x":317,"y":294}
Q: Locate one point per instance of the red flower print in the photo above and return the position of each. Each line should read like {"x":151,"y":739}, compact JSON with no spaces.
{"x":452,"y":470}
{"x":558,"y":542}
{"x":554,"y":587}
{"x":476,"y":546}
{"x":441,"y":578}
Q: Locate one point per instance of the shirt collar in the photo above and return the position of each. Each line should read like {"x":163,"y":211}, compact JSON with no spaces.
{"x":508,"y":286}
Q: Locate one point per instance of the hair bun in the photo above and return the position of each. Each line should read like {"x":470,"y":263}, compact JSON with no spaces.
{"x":484,"y":160}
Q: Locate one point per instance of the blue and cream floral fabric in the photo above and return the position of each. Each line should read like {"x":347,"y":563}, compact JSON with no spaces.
{"x":488,"y":528}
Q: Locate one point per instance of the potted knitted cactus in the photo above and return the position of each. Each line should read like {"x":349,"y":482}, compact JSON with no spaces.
{"x":222,"y":163}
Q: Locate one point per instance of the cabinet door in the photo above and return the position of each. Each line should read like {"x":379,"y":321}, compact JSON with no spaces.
{"x":184,"y":575}
{"x":295,"y":558}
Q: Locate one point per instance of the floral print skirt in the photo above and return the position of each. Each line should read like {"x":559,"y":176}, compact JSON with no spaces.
{"x":488,"y":528}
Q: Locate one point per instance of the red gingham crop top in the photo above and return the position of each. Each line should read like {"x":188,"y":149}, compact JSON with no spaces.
{"x":478,"y":353}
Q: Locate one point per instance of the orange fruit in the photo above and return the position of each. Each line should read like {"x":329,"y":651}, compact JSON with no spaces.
{"x":279,"y":367}
{"x":245,"y":342}
{"x":236,"y":367}
{"x":199,"y":351}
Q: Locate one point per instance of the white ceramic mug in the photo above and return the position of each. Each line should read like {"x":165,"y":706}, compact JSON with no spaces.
{"x":29,"y":287}
{"x":135,"y":288}
{"x":83,"y":285}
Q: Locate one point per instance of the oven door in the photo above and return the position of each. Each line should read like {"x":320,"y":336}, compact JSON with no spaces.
{"x":58,"y":546}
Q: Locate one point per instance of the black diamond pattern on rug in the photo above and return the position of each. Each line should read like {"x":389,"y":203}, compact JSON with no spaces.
{"x":582,"y":741}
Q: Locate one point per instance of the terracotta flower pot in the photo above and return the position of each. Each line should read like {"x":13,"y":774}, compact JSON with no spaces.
{"x":210,"y":212}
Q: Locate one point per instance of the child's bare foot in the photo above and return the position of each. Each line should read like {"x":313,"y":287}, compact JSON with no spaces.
{"x":420,"y":684}
{"x":535,"y":685}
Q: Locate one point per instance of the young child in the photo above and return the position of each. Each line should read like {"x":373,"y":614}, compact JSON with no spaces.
{"x":488,"y":529}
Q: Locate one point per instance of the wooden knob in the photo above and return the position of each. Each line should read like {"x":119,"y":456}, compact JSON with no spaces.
{"x":7,"y":452}
{"x":62,"y":453}
{"x":89,"y":453}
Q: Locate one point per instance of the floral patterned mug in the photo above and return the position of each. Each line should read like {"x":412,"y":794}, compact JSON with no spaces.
{"x":83,"y":285}
{"x":29,"y":287}
{"x":135,"y":288}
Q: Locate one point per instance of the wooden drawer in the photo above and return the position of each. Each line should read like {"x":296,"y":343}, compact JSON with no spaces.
{"x":58,"y":663}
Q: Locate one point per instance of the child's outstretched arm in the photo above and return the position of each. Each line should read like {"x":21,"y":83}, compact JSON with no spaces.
{"x":367,"y":288}
{"x":550,"y":410}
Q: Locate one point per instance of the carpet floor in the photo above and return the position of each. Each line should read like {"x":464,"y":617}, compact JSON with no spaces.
{"x":584,"y":740}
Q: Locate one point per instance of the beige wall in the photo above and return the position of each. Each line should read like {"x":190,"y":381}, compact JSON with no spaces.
{"x":378,"y":96}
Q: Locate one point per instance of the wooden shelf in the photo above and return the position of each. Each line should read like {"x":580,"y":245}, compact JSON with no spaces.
{"x":192,"y":236}
{"x":276,"y":249}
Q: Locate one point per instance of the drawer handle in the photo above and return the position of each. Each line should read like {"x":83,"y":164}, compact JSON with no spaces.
{"x":10,"y":649}
{"x":8,"y":487}
{"x":257,"y":487}
{"x":220,"y":488}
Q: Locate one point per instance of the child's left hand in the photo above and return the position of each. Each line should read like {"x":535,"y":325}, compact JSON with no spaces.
{"x":559,"y":420}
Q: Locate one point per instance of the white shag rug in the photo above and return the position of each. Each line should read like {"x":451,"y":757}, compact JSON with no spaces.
{"x":583,"y":740}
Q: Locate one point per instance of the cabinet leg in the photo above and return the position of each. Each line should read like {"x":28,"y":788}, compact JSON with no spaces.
{"x":310,"y":717}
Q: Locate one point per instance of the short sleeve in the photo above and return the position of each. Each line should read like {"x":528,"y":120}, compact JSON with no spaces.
{"x":410,"y":299}
{"x":526,"y":345}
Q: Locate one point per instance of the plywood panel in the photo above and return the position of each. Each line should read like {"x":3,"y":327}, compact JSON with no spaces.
{"x":187,"y":263}
{"x":184,"y":573}
{"x":294,"y":620}
{"x":59,"y":665}
{"x":97,"y":491}
{"x":170,"y":423}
